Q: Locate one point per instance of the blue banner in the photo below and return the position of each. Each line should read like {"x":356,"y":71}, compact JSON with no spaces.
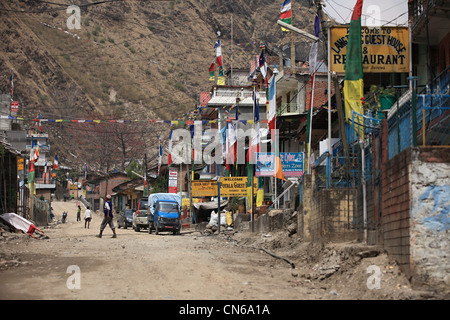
{"x":291,"y":162}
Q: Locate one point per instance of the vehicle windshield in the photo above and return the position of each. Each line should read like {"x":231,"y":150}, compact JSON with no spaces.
{"x":168,"y":207}
{"x":129,"y":213}
{"x":143,"y":206}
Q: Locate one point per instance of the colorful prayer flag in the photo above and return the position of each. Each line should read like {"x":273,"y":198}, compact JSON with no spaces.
{"x":218,"y":48}
{"x":272,"y":103}
{"x":255,"y":142}
{"x":220,"y":77}
{"x":212,"y":67}
{"x":286,"y":13}
{"x":169,"y":159}
{"x":263,"y":64}
{"x":314,"y":47}
{"x":160,"y":157}
{"x":35,"y":155}
{"x":353,"y":80}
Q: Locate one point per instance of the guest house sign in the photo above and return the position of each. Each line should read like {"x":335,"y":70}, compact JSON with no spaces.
{"x":384,"y":49}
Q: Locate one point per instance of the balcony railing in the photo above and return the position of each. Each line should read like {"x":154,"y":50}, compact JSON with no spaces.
{"x":288,"y":109}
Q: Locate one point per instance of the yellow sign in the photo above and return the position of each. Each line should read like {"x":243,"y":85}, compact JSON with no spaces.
{"x":229,"y":187}
{"x":186,"y":202}
{"x":384,"y":49}
{"x":19,"y":164}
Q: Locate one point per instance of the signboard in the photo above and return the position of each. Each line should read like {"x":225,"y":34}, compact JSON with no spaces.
{"x":14,"y":107}
{"x":236,"y":186}
{"x":186,"y":201}
{"x":229,"y":187}
{"x":20,"y":162}
{"x":173,"y":180}
{"x":384,"y":49}
{"x":291,"y":162}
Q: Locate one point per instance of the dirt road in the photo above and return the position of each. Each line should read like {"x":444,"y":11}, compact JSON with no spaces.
{"x":74,"y":264}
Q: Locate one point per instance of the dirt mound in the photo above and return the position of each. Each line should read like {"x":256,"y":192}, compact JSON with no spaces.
{"x":341,"y":270}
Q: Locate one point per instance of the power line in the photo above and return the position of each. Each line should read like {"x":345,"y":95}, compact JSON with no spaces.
{"x":58,"y":9}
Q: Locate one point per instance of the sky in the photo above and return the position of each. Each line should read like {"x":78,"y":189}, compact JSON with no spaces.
{"x":374,"y":12}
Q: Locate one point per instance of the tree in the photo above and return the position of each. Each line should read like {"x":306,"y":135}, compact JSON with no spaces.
{"x":161,"y":185}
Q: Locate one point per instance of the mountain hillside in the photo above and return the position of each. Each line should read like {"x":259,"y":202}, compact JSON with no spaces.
{"x":129,"y":60}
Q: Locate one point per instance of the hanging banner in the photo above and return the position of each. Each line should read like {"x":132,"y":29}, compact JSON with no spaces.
{"x":384,"y":49}
{"x":229,"y":187}
{"x":173,"y":180}
{"x":291,"y":163}
{"x":14,"y":107}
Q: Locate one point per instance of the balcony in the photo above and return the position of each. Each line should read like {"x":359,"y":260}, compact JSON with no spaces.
{"x":288,"y":109}
{"x":435,"y":13}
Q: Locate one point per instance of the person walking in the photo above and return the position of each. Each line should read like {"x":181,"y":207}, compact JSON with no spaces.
{"x":79,"y":214}
{"x":108,"y":218}
{"x":87,"y":217}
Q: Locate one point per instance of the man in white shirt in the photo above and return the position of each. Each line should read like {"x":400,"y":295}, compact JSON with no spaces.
{"x":87,"y":217}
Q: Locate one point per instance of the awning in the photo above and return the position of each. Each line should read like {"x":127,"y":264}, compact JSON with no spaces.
{"x":209,"y":205}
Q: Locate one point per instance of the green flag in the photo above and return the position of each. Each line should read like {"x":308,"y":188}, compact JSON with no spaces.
{"x":353,"y":80}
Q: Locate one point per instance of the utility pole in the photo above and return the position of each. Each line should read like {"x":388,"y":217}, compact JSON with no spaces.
{"x":145,"y":175}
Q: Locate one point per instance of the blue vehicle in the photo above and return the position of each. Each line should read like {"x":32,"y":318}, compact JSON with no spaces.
{"x":164,"y":211}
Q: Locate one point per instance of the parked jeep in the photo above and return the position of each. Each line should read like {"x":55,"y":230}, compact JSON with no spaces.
{"x":140,"y":216}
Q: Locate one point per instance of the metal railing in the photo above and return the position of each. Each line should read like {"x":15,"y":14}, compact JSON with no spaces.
{"x":422,"y":118}
{"x":288,"y":109}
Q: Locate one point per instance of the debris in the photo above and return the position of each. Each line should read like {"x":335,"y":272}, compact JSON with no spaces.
{"x":332,"y":292}
{"x":23,"y":225}
{"x":278,"y":257}
{"x":292,"y":228}
{"x":368,"y":253}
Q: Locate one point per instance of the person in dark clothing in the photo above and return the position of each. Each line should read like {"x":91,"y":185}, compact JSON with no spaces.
{"x":108,"y":218}
{"x":79,"y":214}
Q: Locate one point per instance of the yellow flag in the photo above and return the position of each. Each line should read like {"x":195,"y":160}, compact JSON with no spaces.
{"x":259,"y":197}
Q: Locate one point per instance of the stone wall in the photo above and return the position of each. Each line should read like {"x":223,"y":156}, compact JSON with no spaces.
{"x":429,"y":217}
{"x":416,"y":223}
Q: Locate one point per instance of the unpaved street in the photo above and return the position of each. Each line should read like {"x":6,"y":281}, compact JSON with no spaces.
{"x":189,"y":266}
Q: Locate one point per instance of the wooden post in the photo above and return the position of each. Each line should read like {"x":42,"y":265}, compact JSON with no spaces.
{"x":337,"y":92}
{"x":423,"y":127}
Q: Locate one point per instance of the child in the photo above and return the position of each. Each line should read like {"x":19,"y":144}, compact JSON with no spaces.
{"x":87,"y":217}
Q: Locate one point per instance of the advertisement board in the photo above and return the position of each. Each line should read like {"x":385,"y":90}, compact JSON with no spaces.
{"x":384,"y":49}
{"x":173,"y":180}
{"x":291,"y":162}
{"x":229,"y":187}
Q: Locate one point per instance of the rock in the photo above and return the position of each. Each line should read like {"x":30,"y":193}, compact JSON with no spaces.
{"x":332,"y":292}
{"x":368,"y":253}
{"x":275,"y":212}
{"x":292,"y":228}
